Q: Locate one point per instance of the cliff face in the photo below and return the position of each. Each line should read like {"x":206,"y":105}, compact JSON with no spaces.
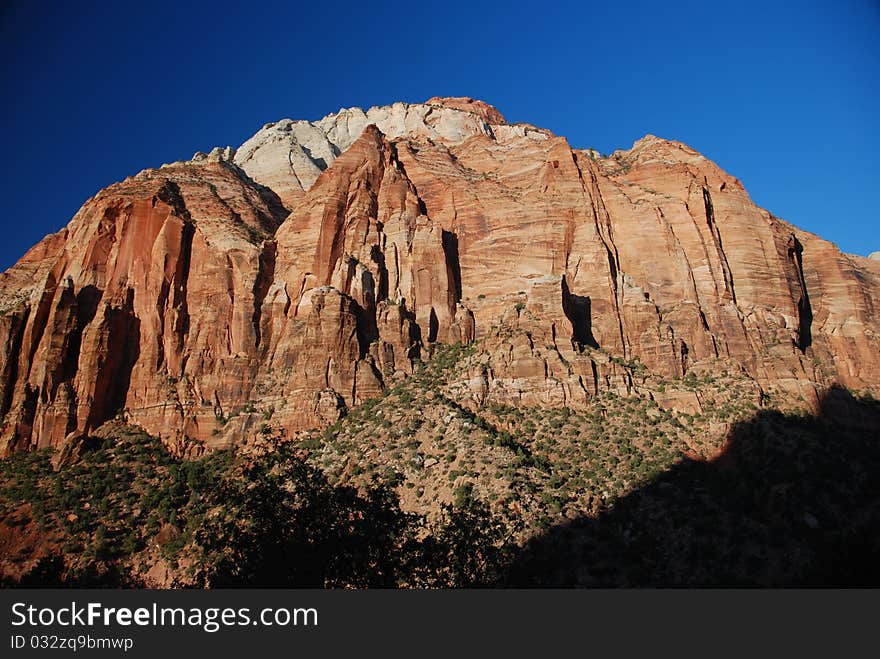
{"x":277,"y":285}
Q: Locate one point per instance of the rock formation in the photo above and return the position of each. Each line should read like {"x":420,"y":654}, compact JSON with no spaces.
{"x":279,"y":284}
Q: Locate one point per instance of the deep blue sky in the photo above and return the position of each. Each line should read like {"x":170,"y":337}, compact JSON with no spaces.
{"x":787,"y":100}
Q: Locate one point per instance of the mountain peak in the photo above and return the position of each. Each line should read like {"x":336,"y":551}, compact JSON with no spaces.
{"x":288,"y":156}
{"x":467,"y":104}
{"x":651,"y":145}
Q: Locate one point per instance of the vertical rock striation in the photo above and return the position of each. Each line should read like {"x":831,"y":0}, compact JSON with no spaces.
{"x":289,"y":279}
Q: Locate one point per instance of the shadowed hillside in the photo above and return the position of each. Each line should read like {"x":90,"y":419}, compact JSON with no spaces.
{"x":415,"y":490}
{"x":792,"y":501}
{"x":146,"y":518}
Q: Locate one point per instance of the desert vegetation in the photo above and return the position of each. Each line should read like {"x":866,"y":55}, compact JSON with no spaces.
{"x":416,"y":488}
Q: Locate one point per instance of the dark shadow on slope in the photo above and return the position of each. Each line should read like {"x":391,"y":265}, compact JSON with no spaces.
{"x":792,"y":501}
{"x":433,"y":326}
{"x":453,"y":263}
{"x":805,"y":311}
{"x":85,"y":307}
{"x":377,"y":257}
{"x":51,"y":572}
{"x":123,"y":351}
{"x":577,"y":309}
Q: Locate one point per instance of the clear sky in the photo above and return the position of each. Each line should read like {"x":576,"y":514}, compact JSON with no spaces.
{"x":783,"y":95}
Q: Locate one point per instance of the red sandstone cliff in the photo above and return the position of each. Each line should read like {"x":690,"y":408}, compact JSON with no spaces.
{"x":284,"y":282}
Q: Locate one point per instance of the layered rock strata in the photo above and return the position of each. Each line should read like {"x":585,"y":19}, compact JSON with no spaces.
{"x":274,"y":286}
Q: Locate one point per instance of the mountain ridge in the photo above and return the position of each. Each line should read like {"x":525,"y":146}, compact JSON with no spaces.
{"x":317,"y":264}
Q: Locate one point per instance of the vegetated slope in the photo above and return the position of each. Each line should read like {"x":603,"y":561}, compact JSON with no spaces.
{"x":414,"y":489}
{"x":128,"y":513}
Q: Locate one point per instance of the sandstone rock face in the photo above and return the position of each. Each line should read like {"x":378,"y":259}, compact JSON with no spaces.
{"x":144,"y":302}
{"x":288,"y":156}
{"x":276,"y":285}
